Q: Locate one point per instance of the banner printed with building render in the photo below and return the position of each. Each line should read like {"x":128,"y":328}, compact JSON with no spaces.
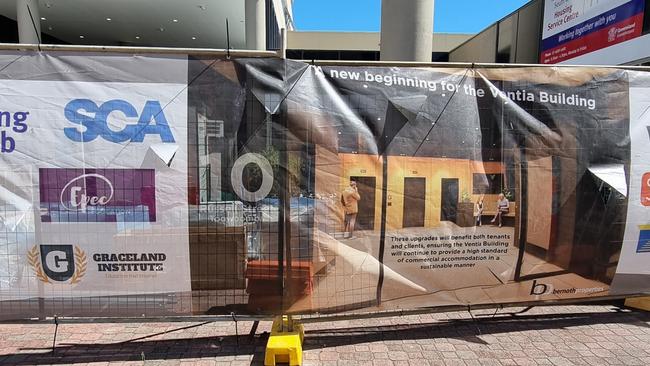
{"x":378,"y":187}
{"x":433,"y":187}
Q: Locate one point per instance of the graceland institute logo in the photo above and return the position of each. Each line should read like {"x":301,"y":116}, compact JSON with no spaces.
{"x":58,"y":263}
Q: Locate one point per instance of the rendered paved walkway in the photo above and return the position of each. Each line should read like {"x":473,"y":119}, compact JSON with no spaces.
{"x":559,"y":335}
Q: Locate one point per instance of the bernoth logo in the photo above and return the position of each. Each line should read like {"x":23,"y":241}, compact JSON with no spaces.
{"x":538,"y":289}
{"x":58,"y":263}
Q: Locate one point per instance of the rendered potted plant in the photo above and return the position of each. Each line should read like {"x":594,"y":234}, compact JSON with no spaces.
{"x":465,"y":216}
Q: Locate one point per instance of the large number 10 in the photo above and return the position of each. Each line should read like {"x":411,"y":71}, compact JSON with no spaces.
{"x":237,"y":173}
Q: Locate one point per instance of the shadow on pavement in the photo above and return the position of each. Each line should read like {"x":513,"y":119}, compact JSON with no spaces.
{"x":468,"y":330}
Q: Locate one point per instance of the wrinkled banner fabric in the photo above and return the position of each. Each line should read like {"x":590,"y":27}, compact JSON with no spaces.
{"x":178,"y":185}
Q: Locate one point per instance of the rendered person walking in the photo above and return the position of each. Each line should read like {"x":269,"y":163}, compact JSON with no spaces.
{"x":350,"y":199}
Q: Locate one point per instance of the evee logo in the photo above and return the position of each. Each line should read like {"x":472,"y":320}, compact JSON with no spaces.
{"x":75,"y":189}
{"x":94,"y":121}
{"x":97,"y":195}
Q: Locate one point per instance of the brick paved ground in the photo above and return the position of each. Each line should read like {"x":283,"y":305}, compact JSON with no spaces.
{"x":560,"y":335}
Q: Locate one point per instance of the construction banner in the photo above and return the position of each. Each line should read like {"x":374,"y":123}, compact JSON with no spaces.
{"x":94,"y":183}
{"x":164,"y":185}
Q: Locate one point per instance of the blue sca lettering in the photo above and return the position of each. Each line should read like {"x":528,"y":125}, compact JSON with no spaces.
{"x":93,"y":120}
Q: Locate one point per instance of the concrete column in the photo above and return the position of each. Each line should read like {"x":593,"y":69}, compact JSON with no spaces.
{"x":255,"y":13}
{"x":406,"y":30}
{"x":26,"y":32}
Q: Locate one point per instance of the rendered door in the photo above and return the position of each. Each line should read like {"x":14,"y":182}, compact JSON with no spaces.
{"x":449,"y":199}
{"x":414,"y":202}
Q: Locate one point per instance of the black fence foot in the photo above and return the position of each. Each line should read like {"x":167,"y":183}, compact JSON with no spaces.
{"x":525,"y":310}
{"x":56,"y":329}
{"x":256,"y":324}
{"x":469,"y":310}
{"x":236,"y":328}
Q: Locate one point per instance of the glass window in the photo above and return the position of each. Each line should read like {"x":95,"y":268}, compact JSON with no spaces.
{"x":506,"y":40}
{"x":487,"y":183}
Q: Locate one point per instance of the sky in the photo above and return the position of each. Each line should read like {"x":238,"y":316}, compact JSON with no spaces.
{"x":451,"y":16}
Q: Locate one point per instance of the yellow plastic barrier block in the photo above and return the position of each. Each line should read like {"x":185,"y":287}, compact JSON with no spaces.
{"x":284,"y":346}
{"x":641,"y":303}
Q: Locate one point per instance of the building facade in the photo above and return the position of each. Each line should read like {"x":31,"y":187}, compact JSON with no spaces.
{"x":203,"y":25}
{"x":147,"y":23}
{"x":606,"y":32}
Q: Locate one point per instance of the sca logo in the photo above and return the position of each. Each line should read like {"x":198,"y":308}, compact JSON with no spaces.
{"x":93,"y":121}
{"x":58,"y":263}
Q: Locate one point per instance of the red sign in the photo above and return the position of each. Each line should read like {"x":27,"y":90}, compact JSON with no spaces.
{"x":645,"y":190}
